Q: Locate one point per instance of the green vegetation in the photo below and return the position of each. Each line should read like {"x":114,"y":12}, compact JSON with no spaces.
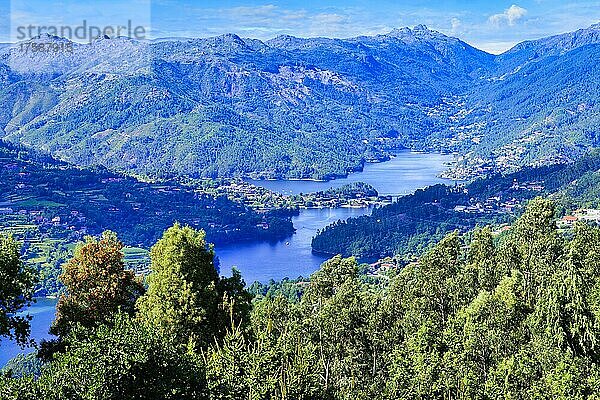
{"x":317,"y":108}
{"x":121,"y":360}
{"x":412,"y":223}
{"x":290,"y":289}
{"x":66,"y":203}
{"x":50,"y":206}
{"x":406,"y":227}
{"x":307,"y":108}
{"x":24,"y":365}
{"x":186,"y":299}
{"x":16,"y":290}
{"x":355,"y":194}
{"x":581,"y":193}
{"x":477,"y":317}
{"x":542,"y":112}
{"x":97,"y":287}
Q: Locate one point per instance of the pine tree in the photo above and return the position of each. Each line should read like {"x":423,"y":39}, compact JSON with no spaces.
{"x":186,"y":298}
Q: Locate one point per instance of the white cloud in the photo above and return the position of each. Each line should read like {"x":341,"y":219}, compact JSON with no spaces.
{"x":510,"y":16}
{"x":329,"y":18}
{"x":455,"y":24}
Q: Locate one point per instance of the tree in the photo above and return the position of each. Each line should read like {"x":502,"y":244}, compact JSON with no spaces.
{"x":122,"y":359}
{"x":482,"y":261}
{"x":428,"y":293}
{"x":23,"y":365}
{"x":430,"y":289}
{"x":477,"y":317}
{"x":336,"y":311}
{"x":482,"y":334}
{"x":16,"y":291}
{"x":97,"y":285}
{"x":564,"y":314}
{"x":538,"y":245}
{"x":186,"y":298}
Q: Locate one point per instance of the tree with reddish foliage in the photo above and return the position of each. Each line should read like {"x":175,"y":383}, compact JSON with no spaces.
{"x":97,"y":285}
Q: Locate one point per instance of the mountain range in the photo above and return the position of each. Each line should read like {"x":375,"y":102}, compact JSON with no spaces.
{"x":301,"y":108}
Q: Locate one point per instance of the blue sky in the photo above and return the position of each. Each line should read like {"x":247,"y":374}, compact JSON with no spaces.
{"x":493,"y":26}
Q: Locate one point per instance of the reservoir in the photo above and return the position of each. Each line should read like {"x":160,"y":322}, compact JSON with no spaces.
{"x":401,"y":175}
{"x":291,"y":257}
{"x":43,"y":315}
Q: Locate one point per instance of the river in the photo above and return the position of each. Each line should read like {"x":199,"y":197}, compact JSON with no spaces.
{"x":42,"y":313}
{"x":292,"y":257}
{"x":401,"y":175}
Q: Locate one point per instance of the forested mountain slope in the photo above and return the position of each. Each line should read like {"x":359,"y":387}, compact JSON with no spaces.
{"x":225,"y":105}
{"x":301,"y":108}
{"x":50,"y":199}
{"x":537,"y":105}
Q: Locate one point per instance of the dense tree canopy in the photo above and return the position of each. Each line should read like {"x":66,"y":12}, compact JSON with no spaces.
{"x":98,"y":285}
{"x":125,"y":360}
{"x":479,"y":316}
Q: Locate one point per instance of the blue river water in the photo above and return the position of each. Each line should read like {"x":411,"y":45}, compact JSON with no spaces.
{"x":43,"y":314}
{"x":291,"y":257}
{"x":401,"y":175}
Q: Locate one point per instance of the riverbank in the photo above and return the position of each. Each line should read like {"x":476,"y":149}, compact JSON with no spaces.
{"x":383,"y":157}
{"x":265,"y":200}
{"x":293,"y":257}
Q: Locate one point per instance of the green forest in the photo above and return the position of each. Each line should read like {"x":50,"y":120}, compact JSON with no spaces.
{"x":479,"y":316}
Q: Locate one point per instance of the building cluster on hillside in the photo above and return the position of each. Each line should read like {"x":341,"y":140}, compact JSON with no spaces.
{"x":262,"y":199}
{"x":492,"y":205}
{"x":585,"y":215}
{"x":461,"y":171}
{"x":71,"y":221}
{"x":532,"y":186}
{"x":381,"y":268}
{"x":502,"y":203}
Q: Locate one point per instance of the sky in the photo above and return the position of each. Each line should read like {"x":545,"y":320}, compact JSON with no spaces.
{"x":493,"y":26}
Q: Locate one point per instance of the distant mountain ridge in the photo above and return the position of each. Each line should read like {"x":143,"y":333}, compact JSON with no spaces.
{"x":541,"y":107}
{"x":552,"y":45}
{"x":287,"y":107}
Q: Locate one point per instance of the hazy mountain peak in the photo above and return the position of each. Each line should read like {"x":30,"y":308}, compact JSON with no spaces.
{"x":283,"y":40}
{"x":231,"y":37}
{"x":419,"y":31}
{"x":46,"y":37}
{"x":400,"y":31}
{"x":227,"y":42}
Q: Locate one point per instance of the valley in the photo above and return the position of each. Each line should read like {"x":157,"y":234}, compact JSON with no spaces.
{"x":305,"y":108}
{"x":289,"y":257}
